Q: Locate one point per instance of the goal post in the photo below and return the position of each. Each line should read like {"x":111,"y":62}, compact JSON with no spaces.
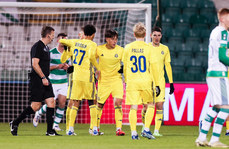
{"x":20,"y":26}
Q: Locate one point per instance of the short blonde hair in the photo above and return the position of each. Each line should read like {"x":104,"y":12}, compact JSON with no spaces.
{"x":139,"y":30}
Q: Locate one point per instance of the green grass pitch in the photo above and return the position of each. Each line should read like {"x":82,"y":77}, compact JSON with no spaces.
{"x":34,"y":138}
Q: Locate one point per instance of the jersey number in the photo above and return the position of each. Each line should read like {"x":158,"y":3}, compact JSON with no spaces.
{"x":138,"y":63}
{"x":77,"y":52}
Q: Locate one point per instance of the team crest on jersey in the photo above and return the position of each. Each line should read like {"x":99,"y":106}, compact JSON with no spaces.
{"x":162,"y":52}
{"x":101,"y":54}
{"x":116,"y":55}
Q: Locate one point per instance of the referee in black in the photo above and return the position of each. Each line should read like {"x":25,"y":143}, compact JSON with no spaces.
{"x":39,"y":84}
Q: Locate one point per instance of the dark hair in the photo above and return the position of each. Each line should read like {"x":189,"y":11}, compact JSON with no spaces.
{"x":89,"y":30}
{"x":223,"y":11}
{"x":157,"y":29}
{"x":46,"y":30}
{"x":62,"y":34}
{"x":111,"y":33}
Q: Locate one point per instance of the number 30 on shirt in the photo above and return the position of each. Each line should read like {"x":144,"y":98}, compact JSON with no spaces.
{"x":76,"y":52}
{"x":138,"y":63}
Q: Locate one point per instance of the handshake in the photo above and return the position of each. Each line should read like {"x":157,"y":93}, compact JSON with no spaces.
{"x":70,"y":69}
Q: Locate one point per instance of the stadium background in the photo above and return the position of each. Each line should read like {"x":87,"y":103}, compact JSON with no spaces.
{"x":186,"y":28}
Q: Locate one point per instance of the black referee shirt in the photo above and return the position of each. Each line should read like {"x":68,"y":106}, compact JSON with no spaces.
{"x":39,"y":50}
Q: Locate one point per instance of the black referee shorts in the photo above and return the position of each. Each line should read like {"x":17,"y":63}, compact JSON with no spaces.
{"x":38,"y":91}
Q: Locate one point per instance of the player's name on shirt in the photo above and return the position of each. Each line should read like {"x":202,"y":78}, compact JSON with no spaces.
{"x":138,"y":50}
{"x":80,"y":45}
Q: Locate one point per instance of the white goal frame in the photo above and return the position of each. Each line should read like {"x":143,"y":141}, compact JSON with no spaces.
{"x":15,"y":73}
{"x":106,"y":6}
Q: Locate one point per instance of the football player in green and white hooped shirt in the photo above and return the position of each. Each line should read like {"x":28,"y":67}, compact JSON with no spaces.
{"x":218,"y":83}
{"x":59,"y":80}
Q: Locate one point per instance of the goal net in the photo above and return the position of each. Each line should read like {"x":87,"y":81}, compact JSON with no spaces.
{"x":20,"y":27}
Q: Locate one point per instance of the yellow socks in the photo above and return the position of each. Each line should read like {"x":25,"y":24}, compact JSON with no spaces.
{"x":133,"y":119}
{"x":99,"y":115}
{"x":67,"y":118}
{"x":73,"y":113}
{"x":158,"y":119}
{"x":227,"y":126}
{"x":93,"y":114}
{"x":118,"y":116}
{"x":149,"y":116}
{"x":143,"y":116}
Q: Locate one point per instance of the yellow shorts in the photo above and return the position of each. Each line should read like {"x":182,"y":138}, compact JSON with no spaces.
{"x":137,"y":97}
{"x":83,"y":90}
{"x":161,"y":97}
{"x":105,"y":89}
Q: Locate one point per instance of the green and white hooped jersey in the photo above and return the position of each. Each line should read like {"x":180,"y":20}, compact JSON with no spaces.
{"x":218,"y":38}
{"x":57,"y":76}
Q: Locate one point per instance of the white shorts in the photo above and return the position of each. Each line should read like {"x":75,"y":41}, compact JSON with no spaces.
{"x":219,"y":90}
{"x":60,"y":89}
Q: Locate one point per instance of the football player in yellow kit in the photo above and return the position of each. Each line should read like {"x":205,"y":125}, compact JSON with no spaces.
{"x":70,"y":83}
{"x":163,"y":56}
{"x":110,"y":82}
{"x":83,"y":52}
{"x":138,"y":67}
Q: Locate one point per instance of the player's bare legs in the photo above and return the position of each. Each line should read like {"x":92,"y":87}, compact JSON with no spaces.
{"x":118,"y":116}
{"x":35,"y":106}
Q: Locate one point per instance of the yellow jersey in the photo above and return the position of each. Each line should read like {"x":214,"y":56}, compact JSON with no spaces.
{"x":163,"y":56}
{"x":136,"y":60}
{"x":109,"y":62}
{"x":83,"y":52}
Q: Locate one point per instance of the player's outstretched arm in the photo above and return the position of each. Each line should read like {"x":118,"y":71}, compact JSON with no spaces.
{"x":68,"y":43}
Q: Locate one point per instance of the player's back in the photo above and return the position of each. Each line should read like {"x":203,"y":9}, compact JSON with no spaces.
{"x":82,"y":51}
{"x":136,"y":61}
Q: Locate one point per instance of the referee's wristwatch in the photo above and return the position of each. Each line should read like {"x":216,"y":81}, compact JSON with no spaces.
{"x":43,"y":77}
